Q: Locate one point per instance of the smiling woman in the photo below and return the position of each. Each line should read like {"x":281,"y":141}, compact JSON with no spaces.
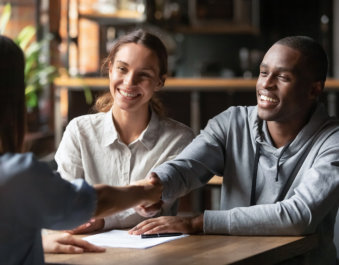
{"x":157,"y":54}
{"x":129,"y":135}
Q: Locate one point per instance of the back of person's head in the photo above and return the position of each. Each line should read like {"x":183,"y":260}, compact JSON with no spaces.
{"x":315,"y":58}
{"x":12,"y":96}
{"x":151,"y":42}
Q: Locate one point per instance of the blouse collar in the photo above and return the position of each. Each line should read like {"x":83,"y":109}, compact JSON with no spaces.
{"x":148,"y":137}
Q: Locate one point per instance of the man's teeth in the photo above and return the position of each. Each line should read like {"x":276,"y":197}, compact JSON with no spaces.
{"x":126,"y":94}
{"x":268,"y":99}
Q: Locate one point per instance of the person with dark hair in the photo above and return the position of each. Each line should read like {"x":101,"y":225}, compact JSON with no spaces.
{"x":129,"y":135}
{"x":31,"y":195}
{"x":279,"y":160}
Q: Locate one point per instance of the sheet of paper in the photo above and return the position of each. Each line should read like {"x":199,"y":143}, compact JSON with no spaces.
{"x":121,"y":239}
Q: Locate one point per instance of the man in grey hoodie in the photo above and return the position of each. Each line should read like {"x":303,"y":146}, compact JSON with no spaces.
{"x":279,"y":160}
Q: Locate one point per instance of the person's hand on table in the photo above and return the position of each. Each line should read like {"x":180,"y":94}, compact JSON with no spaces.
{"x":92,"y":225}
{"x":67,"y":243}
{"x":169,"y":224}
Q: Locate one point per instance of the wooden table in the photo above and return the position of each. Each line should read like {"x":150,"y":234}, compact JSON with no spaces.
{"x":199,"y":249}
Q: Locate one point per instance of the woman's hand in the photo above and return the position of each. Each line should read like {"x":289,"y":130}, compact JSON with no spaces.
{"x":169,"y":224}
{"x":67,"y":243}
{"x":93,"y":225}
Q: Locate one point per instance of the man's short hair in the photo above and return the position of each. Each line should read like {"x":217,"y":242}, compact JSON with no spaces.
{"x":314,"y":54}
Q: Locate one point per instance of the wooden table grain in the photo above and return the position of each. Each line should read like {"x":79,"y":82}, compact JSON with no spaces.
{"x":198,"y":250}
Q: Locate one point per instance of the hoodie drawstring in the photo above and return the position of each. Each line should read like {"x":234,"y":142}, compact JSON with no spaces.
{"x":255,"y":169}
{"x":279,"y":157}
{"x":254,"y":173}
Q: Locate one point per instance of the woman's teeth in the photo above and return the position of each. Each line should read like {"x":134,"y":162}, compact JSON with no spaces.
{"x":262,"y":97}
{"x":126,"y":94}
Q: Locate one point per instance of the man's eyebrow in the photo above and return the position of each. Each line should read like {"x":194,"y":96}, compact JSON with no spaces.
{"x":280,"y":69}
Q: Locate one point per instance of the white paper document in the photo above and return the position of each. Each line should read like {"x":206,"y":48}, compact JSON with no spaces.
{"x":121,"y":239}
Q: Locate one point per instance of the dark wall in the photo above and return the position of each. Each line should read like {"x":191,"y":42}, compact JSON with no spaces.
{"x":218,"y":55}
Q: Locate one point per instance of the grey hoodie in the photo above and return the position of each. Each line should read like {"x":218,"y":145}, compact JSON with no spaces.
{"x":296,"y":189}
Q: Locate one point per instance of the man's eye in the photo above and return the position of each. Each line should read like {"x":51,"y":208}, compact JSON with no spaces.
{"x":145,"y":75}
{"x":263,"y":73}
{"x":283,"y":77}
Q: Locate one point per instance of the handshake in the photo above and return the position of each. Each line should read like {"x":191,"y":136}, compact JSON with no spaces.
{"x":144,"y":195}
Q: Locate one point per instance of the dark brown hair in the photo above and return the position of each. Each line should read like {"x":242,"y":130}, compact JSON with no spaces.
{"x":314,"y":55}
{"x":12,"y":96}
{"x":152,"y":42}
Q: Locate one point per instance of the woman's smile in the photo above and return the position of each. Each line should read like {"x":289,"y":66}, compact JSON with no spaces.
{"x":128,"y":94}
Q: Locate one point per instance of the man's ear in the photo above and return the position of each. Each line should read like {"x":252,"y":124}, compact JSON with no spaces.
{"x":316,"y":90}
{"x":160,"y":82}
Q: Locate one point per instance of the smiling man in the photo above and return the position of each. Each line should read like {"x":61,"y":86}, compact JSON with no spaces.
{"x":279,"y":160}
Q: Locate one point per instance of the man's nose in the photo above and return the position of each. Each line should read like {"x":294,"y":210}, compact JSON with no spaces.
{"x":268,"y":82}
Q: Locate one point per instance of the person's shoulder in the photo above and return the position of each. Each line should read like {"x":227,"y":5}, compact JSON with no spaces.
{"x":238,"y":112}
{"x":87,"y":121}
{"x":16,"y":164}
{"x":171,"y":125}
{"x":10,"y":159}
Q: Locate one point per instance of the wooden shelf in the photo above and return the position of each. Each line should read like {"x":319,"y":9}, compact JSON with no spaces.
{"x":187,"y":84}
{"x":120,"y":17}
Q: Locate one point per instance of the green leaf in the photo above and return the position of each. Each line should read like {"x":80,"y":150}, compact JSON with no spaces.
{"x":88,"y":95}
{"x":25,"y":36}
{"x":29,"y":90}
{"x":6,"y":14}
{"x":31,"y":100}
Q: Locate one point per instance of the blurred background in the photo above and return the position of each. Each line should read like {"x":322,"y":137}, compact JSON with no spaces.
{"x":207,"y":40}
{"x":215,"y":48}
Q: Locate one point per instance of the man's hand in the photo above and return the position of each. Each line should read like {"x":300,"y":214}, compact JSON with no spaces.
{"x":153,"y":187}
{"x":169,"y":224}
{"x":93,"y":225}
{"x":112,"y":199}
{"x":67,"y":243}
{"x":149,"y":211}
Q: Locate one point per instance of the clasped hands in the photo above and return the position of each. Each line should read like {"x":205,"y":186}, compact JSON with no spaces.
{"x":150,"y":206}
{"x":149,"y":209}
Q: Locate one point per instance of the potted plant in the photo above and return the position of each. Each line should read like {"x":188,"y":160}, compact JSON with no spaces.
{"x":38,"y":73}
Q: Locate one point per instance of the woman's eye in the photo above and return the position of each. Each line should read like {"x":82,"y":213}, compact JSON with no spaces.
{"x":121,"y":69}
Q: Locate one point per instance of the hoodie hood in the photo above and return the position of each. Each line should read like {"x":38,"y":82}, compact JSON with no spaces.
{"x":264,"y":145}
{"x":317,"y":121}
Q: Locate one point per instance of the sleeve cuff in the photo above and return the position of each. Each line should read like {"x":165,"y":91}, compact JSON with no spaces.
{"x":216,"y":222}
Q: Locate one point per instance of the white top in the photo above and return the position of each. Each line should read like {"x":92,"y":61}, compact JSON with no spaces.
{"x":91,"y":149}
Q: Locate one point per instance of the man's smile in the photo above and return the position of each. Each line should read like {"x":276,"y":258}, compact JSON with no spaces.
{"x":266,"y":98}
